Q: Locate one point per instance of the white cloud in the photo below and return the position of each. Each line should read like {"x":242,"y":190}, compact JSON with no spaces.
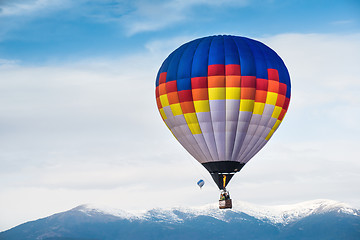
{"x":148,"y":16}
{"x":134,"y":16}
{"x":90,"y":132}
{"x":22,"y":8}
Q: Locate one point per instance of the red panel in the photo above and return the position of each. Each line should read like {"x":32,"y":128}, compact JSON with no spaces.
{"x":260,"y":96}
{"x":280,"y":100}
{"x":216,"y":70}
{"x":286,"y":103}
{"x":282,"y":89}
{"x":173,"y":97}
{"x":157,"y":92}
{"x":171,"y":86}
{"x":185,"y":96}
{"x":261,"y":84}
{"x":162,"y":77}
{"x":248,"y":81}
{"x":282,"y":114}
{"x":200,"y":94}
{"x":187,"y":107}
{"x":247,"y":93}
{"x":273,"y":74}
{"x":232,"y":69}
{"x":158,"y":103}
{"x":199,"y":82}
{"x":216,"y":81}
{"x":273,"y":86}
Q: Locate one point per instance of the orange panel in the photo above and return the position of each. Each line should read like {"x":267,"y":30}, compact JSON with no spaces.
{"x":162,"y":89}
{"x":187,"y":107}
{"x":260,"y":96}
{"x":247,"y":93}
{"x":200,"y":94}
{"x":216,"y":81}
{"x":173,"y":97}
{"x":273,"y":86}
{"x":233,"y":81}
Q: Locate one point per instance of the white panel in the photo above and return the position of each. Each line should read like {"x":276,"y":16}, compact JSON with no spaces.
{"x":206,"y":127}
{"x":232,"y":115}
{"x":258,"y":137}
{"x":204,"y":148}
{"x":218,"y":117}
{"x":241,"y":130}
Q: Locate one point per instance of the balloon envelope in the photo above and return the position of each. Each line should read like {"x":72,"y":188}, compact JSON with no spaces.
{"x":223,"y":97}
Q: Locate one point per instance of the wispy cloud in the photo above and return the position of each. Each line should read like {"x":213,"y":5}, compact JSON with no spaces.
{"x":343,"y":22}
{"x":132,"y":16}
{"x":149,"y":17}
{"x":24,"y":8}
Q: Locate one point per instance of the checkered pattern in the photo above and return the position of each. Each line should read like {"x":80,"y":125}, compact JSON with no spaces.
{"x":223,"y":97}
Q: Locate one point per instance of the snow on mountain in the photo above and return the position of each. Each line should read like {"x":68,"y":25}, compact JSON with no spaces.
{"x":92,"y":210}
{"x":281,"y":214}
{"x":284,"y":214}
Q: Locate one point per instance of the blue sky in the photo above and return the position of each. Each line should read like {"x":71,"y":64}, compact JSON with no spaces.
{"x":41,"y":31}
{"x":79,"y":123}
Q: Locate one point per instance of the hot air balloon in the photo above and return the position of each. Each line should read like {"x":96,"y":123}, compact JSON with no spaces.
{"x":223,"y":97}
{"x":200,"y":183}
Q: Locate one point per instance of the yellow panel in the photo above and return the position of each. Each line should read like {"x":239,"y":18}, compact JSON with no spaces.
{"x":202,"y":106}
{"x":217,"y":93}
{"x":164,"y":100}
{"x":192,"y":123}
{"x":277,"y":111}
{"x":271,"y":98}
{"x":162,"y":113}
{"x":258,"y":108}
{"x":194,"y":128}
{"x":190,"y":118}
{"x":176,"y":109}
{"x":269,"y":135}
{"x":276,"y":125}
{"x":233,"y":93}
{"x":246,"y":105}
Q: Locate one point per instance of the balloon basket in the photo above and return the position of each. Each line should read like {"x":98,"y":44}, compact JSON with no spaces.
{"x":224,"y":204}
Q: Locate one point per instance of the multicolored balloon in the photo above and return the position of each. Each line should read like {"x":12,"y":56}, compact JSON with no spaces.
{"x":201,"y":183}
{"x":223,"y":97}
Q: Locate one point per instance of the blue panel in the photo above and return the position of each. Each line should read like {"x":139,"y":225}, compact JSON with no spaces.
{"x":157,"y":79}
{"x":261,"y":67}
{"x":186,"y":62}
{"x":274,"y":61}
{"x":247,"y":60}
{"x":269,"y":55}
{"x":183,"y":84}
{"x":200,"y":61}
{"x":163,"y":67}
{"x":231,"y":51}
{"x":216,"y":53}
{"x":174,"y":63}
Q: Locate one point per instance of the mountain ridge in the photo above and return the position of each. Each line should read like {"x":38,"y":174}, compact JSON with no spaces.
{"x":282,"y":214}
{"x":316,"y":219}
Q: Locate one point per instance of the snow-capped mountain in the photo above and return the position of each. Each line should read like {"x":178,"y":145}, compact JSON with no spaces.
{"x":317,"y":219}
{"x":280,"y":214}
